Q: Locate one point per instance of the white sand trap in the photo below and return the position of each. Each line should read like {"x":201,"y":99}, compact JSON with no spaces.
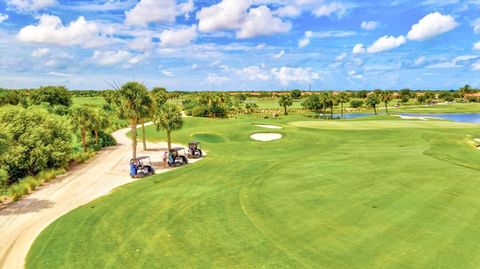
{"x":265,"y":137}
{"x":477,"y":140}
{"x":268,"y":126}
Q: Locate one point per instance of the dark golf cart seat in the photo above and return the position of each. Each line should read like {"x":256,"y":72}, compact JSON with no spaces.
{"x":141,"y":167}
{"x":194,"y":150}
{"x":177,"y":157}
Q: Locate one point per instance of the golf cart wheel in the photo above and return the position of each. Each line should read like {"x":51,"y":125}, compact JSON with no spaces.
{"x":153,"y":171}
{"x":141,"y":175}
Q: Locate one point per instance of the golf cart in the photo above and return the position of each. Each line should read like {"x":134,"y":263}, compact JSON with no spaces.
{"x":194,"y":150}
{"x":141,"y":167}
{"x":177,"y":157}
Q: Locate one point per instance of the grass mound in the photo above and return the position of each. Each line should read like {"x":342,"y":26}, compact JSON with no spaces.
{"x":209,"y":138}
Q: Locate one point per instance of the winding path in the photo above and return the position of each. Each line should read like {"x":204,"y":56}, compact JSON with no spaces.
{"x":22,"y":222}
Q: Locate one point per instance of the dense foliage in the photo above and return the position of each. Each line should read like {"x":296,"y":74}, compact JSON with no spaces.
{"x":37,"y":141}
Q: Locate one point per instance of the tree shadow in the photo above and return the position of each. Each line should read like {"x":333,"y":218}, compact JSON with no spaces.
{"x":25,"y":206}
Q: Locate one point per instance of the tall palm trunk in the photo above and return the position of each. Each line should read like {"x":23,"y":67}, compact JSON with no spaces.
{"x":84,"y":139}
{"x":285,"y":108}
{"x":97,"y":140}
{"x":144,"y":139}
{"x":386,"y":108}
{"x":341,"y":104}
{"x":375,"y":109}
{"x":133,"y":126}
{"x":169,"y":140}
{"x":331,"y":112}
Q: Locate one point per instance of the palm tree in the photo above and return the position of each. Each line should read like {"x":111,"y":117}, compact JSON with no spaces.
{"x":284,"y":101}
{"x":146,"y":110}
{"x":385,"y":98}
{"x":100,"y":122}
{"x":82,"y":116}
{"x":168,"y":118}
{"x":131,"y":98}
{"x":372,"y":101}
{"x":342,"y":99}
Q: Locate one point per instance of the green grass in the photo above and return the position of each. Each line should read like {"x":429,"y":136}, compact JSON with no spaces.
{"x":329,"y":194}
{"x":98,"y":101}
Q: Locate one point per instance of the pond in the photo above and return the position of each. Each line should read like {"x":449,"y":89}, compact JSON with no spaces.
{"x":458,"y":117}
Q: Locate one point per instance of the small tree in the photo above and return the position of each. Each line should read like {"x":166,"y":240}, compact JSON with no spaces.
{"x":3,"y":141}
{"x":285,"y":101}
{"x":385,"y":98}
{"x":52,"y":95}
{"x":168,"y":118}
{"x":100,"y":122}
{"x":296,"y":94}
{"x":82,"y":117}
{"x":372,"y":102}
{"x":342,"y":99}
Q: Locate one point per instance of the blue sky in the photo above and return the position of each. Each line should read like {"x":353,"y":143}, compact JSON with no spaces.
{"x":241,"y":44}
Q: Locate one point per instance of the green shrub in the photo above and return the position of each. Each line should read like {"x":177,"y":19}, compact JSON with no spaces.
{"x":3,"y":180}
{"x":32,"y":183}
{"x":18,"y":190}
{"x":81,"y":157}
{"x":200,"y":111}
{"x":47,"y":175}
{"x":356,"y":103}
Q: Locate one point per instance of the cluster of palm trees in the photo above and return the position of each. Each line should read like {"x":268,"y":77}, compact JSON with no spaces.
{"x":326,"y":101}
{"x":89,"y":118}
{"x":135,"y":103}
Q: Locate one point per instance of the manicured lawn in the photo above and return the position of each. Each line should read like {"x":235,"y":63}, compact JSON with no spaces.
{"x":440,"y":108}
{"x":367,"y":193}
{"x":98,"y":101}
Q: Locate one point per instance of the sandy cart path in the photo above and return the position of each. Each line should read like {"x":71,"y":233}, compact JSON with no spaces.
{"x":22,"y":222}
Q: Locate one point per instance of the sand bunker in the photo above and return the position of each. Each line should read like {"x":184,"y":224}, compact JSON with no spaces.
{"x":264,"y":137}
{"x":268,"y":126}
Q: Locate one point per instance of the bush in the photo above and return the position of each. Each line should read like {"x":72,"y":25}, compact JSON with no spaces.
{"x":38,"y":141}
{"x":3,"y":179}
{"x":18,"y":190}
{"x":356,"y":103}
{"x":81,"y":157}
{"x":32,"y":183}
{"x":200,"y":111}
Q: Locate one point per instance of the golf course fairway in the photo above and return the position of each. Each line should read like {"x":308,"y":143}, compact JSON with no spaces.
{"x":378,"y":192}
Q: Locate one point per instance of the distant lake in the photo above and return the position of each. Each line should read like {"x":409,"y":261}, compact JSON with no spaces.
{"x":458,"y":117}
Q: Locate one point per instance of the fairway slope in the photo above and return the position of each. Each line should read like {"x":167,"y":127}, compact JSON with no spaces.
{"x":329,"y":194}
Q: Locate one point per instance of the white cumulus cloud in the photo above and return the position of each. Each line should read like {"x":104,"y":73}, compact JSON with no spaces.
{"x":432,"y":25}
{"x":305,"y":40}
{"x":261,"y":22}
{"x":226,"y":15}
{"x":476,"y":26}
{"x":285,"y":75}
{"x":177,"y":38}
{"x":31,"y":5}
{"x":333,"y":8}
{"x":358,"y":49}
{"x":369,"y":25}
{"x":3,"y":17}
{"x":51,"y":30}
{"x":288,"y":11}
{"x":476,"y":46}
{"x":148,"y":11}
{"x":387,"y":43}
